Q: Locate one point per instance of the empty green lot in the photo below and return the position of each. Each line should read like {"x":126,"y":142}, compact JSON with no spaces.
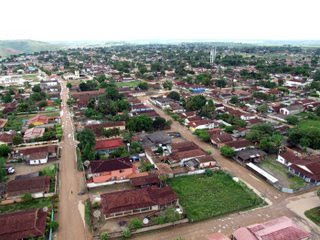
{"x":204,"y":196}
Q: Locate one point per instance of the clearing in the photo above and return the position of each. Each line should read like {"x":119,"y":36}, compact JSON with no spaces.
{"x":205,"y":196}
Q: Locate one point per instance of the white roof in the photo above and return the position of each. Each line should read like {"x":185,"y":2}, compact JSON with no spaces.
{"x":270,"y":178}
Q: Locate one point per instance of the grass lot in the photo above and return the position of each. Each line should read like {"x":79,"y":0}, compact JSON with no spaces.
{"x":284,"y":176}
{"x":127,"y":84}
{"x":204,"y":197}
{"x":314,"y":215}
{"x":32,"y":77}
{"x":35,"y":203}
{"x":309,"y":124}
{"x":51,"y":172}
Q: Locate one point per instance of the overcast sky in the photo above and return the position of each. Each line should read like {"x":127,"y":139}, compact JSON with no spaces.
{"x":110,"y":20}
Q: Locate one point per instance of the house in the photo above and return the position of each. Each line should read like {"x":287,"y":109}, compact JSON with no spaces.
{"x":308,"y":170}
{"x":239,"y":144}
{"x":145,"y":181}
{"x":37,"y":155}
{"x":250,"y":155}
{"x":37,"y":186}
{"x":33,"y":133}
{"x":23,"y":224}
{"x":292,"y":109}
{"x":105,"y":146}
{"x":287,"y":156}
{"x":99,"y":127}
{"x":153,"y":140}
{"x":7,"y":137}
{"x":110,"y":170}
{"x":38,"y":120}
{"x":201,"y":124}
{"x":282,"y":228}
{"x":130,"y":202}
{"x":220,"y":138}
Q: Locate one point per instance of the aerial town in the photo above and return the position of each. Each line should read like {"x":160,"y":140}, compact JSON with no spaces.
{"x":208,"y":141}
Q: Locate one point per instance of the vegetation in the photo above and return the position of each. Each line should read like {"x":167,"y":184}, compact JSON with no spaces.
{"x":174,"y":95}
{"x":87,"y":141}
{"x":135,"y":223}
{"x":203,"y":135}
{"x":227,"y":151}
{"x":195,"y":103}
{"x":3,"y":172}
{"x":307,"y":134}
{"x":87,"y":213}
{"x":145,"y":123}
{"x":169,"y":215}
{"x":35,"y":203}
{"x":314,"y":215}
{"x":4,"y":150}
{"x":203,"y":196}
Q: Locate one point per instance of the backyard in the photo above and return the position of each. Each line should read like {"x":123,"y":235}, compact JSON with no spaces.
{"x":280,"y":172}
{"x":309,"y":124}
{"x":34,"y":203}
{"x":211,"y":195}
{"x":314,"y":215}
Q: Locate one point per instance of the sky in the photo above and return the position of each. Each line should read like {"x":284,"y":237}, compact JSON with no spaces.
{"x":129,"y":20}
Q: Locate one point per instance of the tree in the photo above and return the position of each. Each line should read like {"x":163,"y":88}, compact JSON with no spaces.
{"x":7,"y":98}
{"x":86,"y":137}
{"x":140,"y":123}
{"x":3,"y":172}
{"x":208,"y":110}
{"x":36,"y":88}
{"x":234,"y":100}
{"x":135,"y":224}
{"x":167,"y":85}
{"x":195,"y":103}
{"x":317,"y":111}
{"x":203,"y":135}
{"x":227,"y":151}
{"x":136,"y":148}
{"x":104,"y":236}
{"x":17,"y":139}
{"x":174,"y":95}
{"x":27,"y":197}
{"x":69,"y":85}
{"x":263,"y":108}
{"x":119,"y":152}
{"x":221,"y":83}
{"x":54,"y":225}
{"x":4,"y":150}
{"x":143,"y":86}
{"x":159,"y":123}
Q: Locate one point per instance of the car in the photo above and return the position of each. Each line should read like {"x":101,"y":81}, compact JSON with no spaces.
{"x":10,"y":170}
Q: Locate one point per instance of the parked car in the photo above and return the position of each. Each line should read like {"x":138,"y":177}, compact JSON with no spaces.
{"x":10,"y":170}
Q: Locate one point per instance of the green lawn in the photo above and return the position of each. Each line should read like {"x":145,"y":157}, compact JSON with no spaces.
{"x":280,"y":171}
{"x":309,"y":124}
{"x":314,"y":215}
{"x":30,"y":76}
{"x":35,"y":203}
{"x":203,"y":196}
{"x":127,"y":84}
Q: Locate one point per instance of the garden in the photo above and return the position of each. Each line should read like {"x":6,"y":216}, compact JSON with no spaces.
{"x":212,"y":194}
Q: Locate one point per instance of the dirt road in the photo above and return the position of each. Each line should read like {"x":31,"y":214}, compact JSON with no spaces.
{"x":71,"y":225}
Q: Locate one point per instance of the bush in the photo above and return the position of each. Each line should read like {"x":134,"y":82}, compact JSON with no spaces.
{"x":227,"y":151}
{"x":104,"y":236}
{"x":135,"y":224}
{"x":203,"y":135}
{"x":27,"y":197}
{"x":208,"y":172}
{"x":126,"y":233}
{"x":54,"y":225}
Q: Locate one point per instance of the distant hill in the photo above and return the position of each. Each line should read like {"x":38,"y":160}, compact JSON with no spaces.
{"x":10,"y":47}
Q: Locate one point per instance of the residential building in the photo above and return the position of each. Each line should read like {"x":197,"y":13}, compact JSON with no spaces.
{"x":33,"y":133}
{"x":105,"y":146}
{"x":130,"y":202}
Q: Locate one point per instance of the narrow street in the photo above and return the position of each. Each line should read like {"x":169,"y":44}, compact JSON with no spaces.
{"x":71,"y":224}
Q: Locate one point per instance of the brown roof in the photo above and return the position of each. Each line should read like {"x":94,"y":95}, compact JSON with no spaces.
{"x":6,"y":137}
{"x":221,"y":137}
{"x":240,"y":143}
{"x":3,"y":122}
{"x":21,"y":225}
{"x":100,"y":166}
{"x":151,"y":179}
{"x":33,"y":150}
{"x":178,"y":156}
{"x":28,"y":185}
{"x":138,"y":198}
{"x":183,"y":146}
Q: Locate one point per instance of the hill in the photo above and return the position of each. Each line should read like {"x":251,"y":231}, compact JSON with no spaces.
{"x":10,"y":47}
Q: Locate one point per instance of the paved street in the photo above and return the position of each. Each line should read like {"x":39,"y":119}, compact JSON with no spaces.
{"x":71,"y":225}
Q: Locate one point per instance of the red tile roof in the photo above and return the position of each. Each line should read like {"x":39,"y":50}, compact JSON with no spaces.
{"x":28,"y":185}
{"x":282,"y":228}
{"x":106,"y":144}
{"x":139,"y":198}
{"x":21,"y":225}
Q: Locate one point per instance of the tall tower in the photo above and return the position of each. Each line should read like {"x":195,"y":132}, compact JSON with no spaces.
{"x":213,"y":54}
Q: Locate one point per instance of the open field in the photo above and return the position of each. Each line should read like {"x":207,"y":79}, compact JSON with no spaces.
{"x":309,"y":124}
{"x":32,"y":77}
{"x":314,"y":215}
{"x":204,"y":196}
{"x":282,"y":174}
{"x":127,"y":84}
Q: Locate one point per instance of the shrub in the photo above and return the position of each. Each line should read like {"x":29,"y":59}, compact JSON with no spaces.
{"x":135,"y":224}
{"x":126,"y":233}
{"x":104,"y":236}
{"x":27,"y":197}
{"x":227,"y":151}
{"x":54,"y":225}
